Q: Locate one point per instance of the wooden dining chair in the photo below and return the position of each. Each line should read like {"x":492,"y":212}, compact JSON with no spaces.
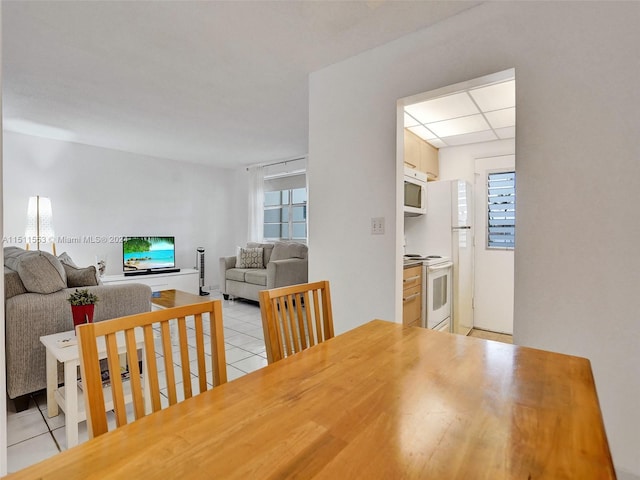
{"x":164,"y":332}
{"x":295,"y":317}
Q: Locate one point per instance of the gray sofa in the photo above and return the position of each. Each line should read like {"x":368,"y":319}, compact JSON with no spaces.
{"x":37,"y":285}
{"x":262,"y":266}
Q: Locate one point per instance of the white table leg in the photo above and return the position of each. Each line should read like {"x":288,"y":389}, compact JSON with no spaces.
{"x":52,"y":385}
{"x":71,"y":402}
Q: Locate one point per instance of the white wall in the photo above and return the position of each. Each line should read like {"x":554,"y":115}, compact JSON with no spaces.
{"x":351,"y":180}
{"x":459,"y":162}
{"x":577,"y":152}
{"x":97,"y":192}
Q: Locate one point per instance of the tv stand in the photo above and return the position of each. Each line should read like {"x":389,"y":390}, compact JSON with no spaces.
{"x":185,"y":279}
{"x":133,"y":273}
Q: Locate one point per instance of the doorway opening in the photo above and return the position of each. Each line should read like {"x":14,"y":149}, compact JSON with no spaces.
{"x":460,"y":134}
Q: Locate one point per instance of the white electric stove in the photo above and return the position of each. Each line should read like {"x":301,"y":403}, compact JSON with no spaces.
{"x":436,"y":290}
{"x":427,"y":259}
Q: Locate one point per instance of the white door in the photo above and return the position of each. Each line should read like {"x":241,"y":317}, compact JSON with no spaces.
{"x":493,"y":294}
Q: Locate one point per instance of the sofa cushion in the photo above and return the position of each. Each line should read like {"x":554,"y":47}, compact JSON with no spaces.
{"x":267,"y":248}
{"x":250,"y":258}
{"x":12,"y":284}
{"x":256,"y":277}
{"x":284,"y":250}
{"x":80,"y":277}
{"x":236,"y":274}
{"x":41,"y":272}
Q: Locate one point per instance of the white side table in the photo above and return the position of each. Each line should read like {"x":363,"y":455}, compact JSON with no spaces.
{"x":66,"y":397}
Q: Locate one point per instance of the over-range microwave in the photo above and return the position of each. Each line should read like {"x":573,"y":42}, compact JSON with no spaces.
{"x":415,"y":192}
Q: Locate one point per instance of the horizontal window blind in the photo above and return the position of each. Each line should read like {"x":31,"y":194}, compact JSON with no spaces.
{"x":501,"y":208}
{"x":285,"y":182}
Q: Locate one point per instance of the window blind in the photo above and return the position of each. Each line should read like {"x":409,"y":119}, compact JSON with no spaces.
{"x":285,"y":182}
{"x":501,"y":210}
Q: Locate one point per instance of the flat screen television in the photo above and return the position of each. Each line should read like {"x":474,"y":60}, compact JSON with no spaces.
{"x":146,"y":254}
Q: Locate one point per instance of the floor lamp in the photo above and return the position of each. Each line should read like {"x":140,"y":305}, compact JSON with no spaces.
{"x":40,"y":222}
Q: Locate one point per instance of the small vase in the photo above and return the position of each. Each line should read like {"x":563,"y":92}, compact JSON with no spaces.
{"x":101,"y":264}
{"x":82,"y":314}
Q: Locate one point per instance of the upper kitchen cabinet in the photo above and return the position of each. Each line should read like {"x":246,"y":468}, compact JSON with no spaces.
{"x":420,"y":155}
{"x":429,"y":158}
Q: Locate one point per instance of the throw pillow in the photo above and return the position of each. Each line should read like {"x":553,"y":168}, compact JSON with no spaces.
{"x":80,"y":277}
{"x":41,"y":272}
{"x":284,"y":250}
{"x":65,"y":259}
{"x":249,"y":258}
{"x":267,"y":248}
{"x":12,"y":257}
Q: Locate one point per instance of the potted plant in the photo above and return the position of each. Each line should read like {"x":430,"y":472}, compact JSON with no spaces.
{"x":82,"y":306}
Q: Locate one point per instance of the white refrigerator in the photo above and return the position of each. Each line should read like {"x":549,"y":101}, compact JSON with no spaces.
{"x":449,"y":232}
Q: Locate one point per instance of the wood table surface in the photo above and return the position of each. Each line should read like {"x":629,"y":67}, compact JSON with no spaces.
{"x":176,"y":298}
{"x":379,"y":401}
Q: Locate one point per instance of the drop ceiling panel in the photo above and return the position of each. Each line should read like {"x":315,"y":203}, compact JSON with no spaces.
{"x":502,"y":118}
{"x":495,"y":97}
{"x":475,"y":137}
{"x":436,"y":142}
{"x":507,"y":132}
{"x":409,"y":121}
{"x":480,"y":114}
{"x":457,"y":126}
{"x":443,"y":108}
{"x":422,"y":132}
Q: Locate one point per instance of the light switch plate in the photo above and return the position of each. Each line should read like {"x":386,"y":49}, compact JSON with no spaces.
{"x":377,"y":226}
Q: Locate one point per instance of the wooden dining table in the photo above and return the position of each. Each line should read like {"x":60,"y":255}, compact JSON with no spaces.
{"x":378,"y":402}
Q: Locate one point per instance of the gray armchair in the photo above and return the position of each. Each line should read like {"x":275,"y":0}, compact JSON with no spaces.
{"x":262,"y":266}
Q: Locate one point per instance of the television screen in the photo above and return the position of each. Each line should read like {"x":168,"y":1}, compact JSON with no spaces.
{"x":148,"y":253}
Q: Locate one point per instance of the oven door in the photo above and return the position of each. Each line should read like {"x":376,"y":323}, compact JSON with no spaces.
{"x":438,"y":294}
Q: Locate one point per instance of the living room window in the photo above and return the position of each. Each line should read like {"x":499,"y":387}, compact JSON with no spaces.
{"x":285,"y":214}
{"x":278,"y":201}
{"x":284,"y":204}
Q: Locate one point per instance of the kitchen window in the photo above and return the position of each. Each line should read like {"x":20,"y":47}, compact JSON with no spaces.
{"x":501,"y":210}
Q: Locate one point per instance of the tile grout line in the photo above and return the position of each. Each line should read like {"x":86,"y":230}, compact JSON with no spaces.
{"x":55,"y":441}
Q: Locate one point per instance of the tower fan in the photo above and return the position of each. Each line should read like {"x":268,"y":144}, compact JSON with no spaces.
{"x":200,"y":267}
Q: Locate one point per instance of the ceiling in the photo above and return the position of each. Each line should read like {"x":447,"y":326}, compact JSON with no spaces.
{"x":218,"y":83}
{"x":472,"y":115}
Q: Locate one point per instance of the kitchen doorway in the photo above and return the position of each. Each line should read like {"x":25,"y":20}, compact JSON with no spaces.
{"x":472,"y":127}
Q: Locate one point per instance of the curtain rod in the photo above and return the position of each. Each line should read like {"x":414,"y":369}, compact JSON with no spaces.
{"x":276,"y":163}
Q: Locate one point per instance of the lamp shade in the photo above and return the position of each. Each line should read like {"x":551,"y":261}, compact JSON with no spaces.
{"x":39,"y":221}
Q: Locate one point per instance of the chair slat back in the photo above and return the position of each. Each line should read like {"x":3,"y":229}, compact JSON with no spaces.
{"x":295,"y":317}
{"x":173,"y":332}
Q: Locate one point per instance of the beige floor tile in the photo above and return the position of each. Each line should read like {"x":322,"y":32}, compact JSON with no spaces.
{"x":487,"y":335}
